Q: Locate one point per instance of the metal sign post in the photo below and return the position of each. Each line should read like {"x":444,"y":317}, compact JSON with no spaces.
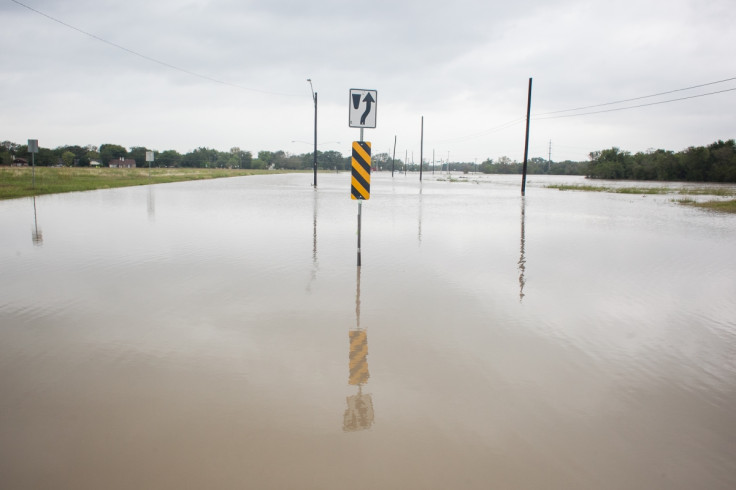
{"x":33,"y":149}
{"x":361,"y":114}
{"x":149,"y":159}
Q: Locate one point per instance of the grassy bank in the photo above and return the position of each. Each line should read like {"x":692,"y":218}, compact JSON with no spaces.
{"x":18,"y":181}
{"x":722,"y":206}
{"x":727,"y":206}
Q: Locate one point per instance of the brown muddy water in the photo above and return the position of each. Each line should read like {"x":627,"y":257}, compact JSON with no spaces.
{"x":219,"y":335}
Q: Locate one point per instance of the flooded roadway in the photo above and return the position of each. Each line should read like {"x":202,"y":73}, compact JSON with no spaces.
{"x":218,"y":334}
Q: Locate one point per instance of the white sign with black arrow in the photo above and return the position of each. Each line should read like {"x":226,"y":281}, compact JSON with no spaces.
{"x":363,"y":108}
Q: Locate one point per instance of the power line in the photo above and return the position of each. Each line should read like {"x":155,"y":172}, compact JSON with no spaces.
{"x":643,"y":97}
{"x":639,"y":105}
{"x":537,"y":116}
{"x":149,"y":58}
{"x":505,"y":125}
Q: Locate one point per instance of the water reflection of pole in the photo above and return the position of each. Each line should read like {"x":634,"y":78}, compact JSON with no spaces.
{"x":151,"y":204}
{"x":314,"y":241}
{"x":522,"y":258}
{"x":420,"y":214}
{"x":36,"y":234}
{"x":359,"y":413}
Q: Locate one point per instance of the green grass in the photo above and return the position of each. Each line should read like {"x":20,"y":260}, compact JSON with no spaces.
{"x":694,"y":191}
{"x":720,"y":206}
{"x":18,"y":181}
{"x":714,"y":205}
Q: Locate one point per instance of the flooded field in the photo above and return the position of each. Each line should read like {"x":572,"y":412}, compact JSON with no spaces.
{"x":218,"y":334}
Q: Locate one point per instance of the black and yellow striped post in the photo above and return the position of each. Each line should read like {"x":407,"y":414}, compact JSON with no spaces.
{"x":360,"y":187}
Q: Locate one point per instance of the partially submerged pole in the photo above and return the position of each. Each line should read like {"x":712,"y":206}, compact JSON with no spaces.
{"x":526,"y":144}
{"x":421,"y":152}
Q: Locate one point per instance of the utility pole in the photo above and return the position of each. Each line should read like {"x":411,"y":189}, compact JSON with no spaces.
{"x":526,"y":144}
{"x":421,"y":152}
{"x":549,"y":157}
{"x":314,"y":96}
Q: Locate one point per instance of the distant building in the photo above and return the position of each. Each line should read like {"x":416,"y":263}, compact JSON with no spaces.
{"x":123,"y":163}
{"x":20,"y":162}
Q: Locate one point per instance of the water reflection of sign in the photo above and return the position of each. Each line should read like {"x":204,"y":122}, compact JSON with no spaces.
{"x":359,"y":414}
{"x":358,"y":357}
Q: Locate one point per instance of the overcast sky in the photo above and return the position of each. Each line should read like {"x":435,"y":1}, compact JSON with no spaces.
{"x":183,"y":74}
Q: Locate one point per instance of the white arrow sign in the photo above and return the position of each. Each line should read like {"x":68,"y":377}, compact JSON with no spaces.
{"x":363,"y":105}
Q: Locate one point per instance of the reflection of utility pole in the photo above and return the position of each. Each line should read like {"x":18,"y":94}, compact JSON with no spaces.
{"x":359,"y":414}
{"x":151,"y":203}
{"x":315,"y":264}
{"x":36,"y":235}
{"x":522,"y":258}
{"x":420,"y":216}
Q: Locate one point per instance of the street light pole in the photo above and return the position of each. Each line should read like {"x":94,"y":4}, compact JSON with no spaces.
{"x":314,"y":97}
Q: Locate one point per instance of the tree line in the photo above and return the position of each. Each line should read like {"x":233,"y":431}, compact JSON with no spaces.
{"x":84,"y":156}
{"x":713,"y":163}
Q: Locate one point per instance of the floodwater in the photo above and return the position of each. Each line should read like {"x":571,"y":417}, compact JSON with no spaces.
{"x":218,"y":334}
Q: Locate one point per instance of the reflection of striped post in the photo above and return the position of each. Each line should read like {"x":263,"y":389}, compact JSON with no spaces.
{"x":358,"y":357}
{"x":361,"y":171}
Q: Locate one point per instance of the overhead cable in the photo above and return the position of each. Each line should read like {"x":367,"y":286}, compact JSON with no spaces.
{"x":643,"y":97}
{"x":149,"y":58}
{"x":636,"y":106}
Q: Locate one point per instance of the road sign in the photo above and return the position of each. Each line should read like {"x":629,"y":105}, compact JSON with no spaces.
{"x":32,"y":146}
{"x":360,"y":187}
{"x":363,"y":104}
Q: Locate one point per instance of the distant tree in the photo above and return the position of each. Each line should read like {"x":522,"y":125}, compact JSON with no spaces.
{"x":138,"y":153}
{"x":266,"y":157}
{"x":331,"y":160}
{"x":610,"y":164}
{"x":68,"y":158}
{"x":112,"y":152}
{"x":201,"y":157}
{"x":723,"y":154}
{"x":168,"y":158}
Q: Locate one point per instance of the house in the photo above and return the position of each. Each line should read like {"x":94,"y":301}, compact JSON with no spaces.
{"x":123,"y":163}
{"x":20,"y":162}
